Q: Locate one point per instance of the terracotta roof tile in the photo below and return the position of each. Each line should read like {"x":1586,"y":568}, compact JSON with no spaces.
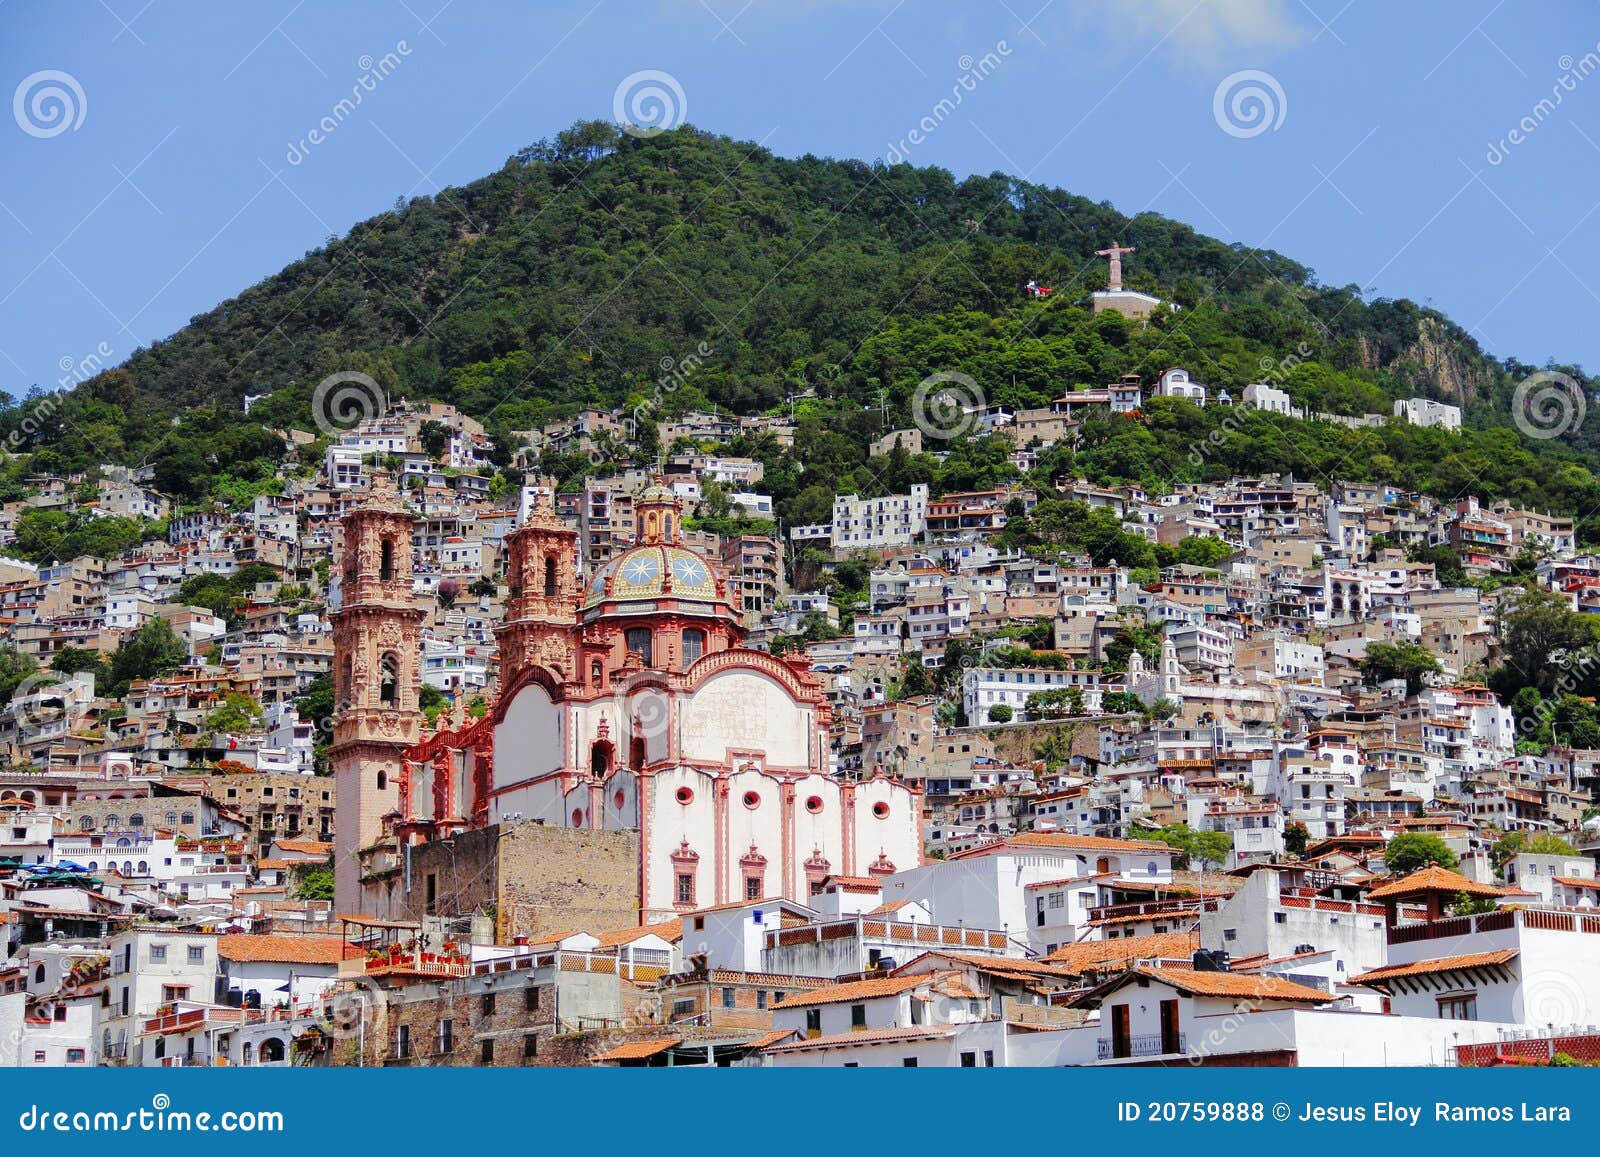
{"x":1098,"y":954}
{"x":857,"y":990}
{"x":1433,"y":878}
{"x":1234,"y":984}
{"x":869,"y":1036}
{"x":1442,"y":964}
{"x":245,"y":947}
{"x":639,"y":1050}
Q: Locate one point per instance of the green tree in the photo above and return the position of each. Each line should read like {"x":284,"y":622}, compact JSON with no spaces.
{"x":1539,"y":634}
{"x":313,"y":884}
{"x":1296,"y":837}
{"x":154,"y":650}
{"x":1412,"y":850}
{"x":999,"y":713}
{"x":1414,"y":663}
{"x":238,"y":712}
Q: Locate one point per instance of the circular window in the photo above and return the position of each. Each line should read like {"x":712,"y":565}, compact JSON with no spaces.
{"x":814,"y":804}
{"x":577,"y":817}
{"x":619,"y":800}
{"x":881,"y":810}
{"x":684,"y":796}
{"x":752,"y":799}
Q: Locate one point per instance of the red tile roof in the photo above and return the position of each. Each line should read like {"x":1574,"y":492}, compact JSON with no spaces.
{"x":1431,"y":879}
{"x":1442,"y":964}
{"x":245,"y":947}
{"x":640,"y":1049}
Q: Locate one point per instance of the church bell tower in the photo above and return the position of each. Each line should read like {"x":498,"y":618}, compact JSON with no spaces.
{"x":376,"y":679}
{"x":542,"y":604}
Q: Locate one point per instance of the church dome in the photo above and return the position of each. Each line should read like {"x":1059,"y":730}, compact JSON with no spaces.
{"x":653,"y":571}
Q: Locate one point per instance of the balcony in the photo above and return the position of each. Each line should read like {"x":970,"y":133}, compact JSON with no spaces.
{"x":1154,"y":1045}
{"x":1540,"y":919}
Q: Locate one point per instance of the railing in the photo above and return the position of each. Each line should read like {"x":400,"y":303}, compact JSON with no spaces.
{"x":643,"y":966}
{"x":1154,"y":1045}
{"x":1184,"y":905}
{"x":936,"y":935}
{"x":1541,"y":919}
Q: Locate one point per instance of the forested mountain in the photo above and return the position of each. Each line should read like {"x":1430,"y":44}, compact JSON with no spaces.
{"x":589,"y":267}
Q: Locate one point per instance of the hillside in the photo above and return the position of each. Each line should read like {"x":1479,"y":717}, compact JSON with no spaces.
{"x":587,"y":267}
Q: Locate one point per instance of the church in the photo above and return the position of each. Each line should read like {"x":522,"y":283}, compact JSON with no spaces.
{"x":627,"y":701}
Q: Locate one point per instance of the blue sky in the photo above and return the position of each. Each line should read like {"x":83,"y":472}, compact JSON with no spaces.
{"x":162,"y":182}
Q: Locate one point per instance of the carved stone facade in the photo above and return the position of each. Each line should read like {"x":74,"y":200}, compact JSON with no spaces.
{"x":376,"y":681}
{"x":630,"y":703}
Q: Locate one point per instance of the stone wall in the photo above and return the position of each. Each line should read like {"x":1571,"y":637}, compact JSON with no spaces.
{"x":535,"y":879}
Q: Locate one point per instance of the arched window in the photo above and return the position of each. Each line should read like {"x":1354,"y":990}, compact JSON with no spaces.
{"x":549,"y":576}
{"x":187,"y":818}
{"x":639,"y":640}
{"x":636,"y":752}
{"x":666,"y":526}
{"x":112,"y":820}
{"x":600,"y":760}
{"x":596,"y":672}
{"x":86,"y":823}
{"x":144,"y":868}
{"x":136,"y":820}
{"x":386,"y":560}
{"x":389,"y":680}
{"x":383,"y":780}
{"x":38,"y":975}
{"x":694,"y":645}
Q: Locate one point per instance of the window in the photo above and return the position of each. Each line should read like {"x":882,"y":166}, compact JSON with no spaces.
{"x":530,"y":999}
{"x":447,"y":1035}
{"x":402,"y":1042}
{"x":694,"y":645}
{"x":638,"y":639}
{"x":197,"y":954}
{"x":858,"y":1016}
{"x":39,"y":1056}
{"x":488,"y":1004}
{"x":486,"y":1052}
{"x":158,"y":952}
{"x":530,"y":1043}
{"x":596,"y":672}
{"x":969,"y":1060}
{"x":909,"y":1062}
{"x":685,"y":888}
{"x":813,"y":1022}
{"x":988,"y":1058}
{"x":752,"y":888}
{"x":727,"y":998}
{"x":1463,"y":1006}
{"x":432,"y":880}
{"x":761,"y":999}
{"x":386,"y":561}
{"x":549,"y":576}
{"x":1230,"y":934}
